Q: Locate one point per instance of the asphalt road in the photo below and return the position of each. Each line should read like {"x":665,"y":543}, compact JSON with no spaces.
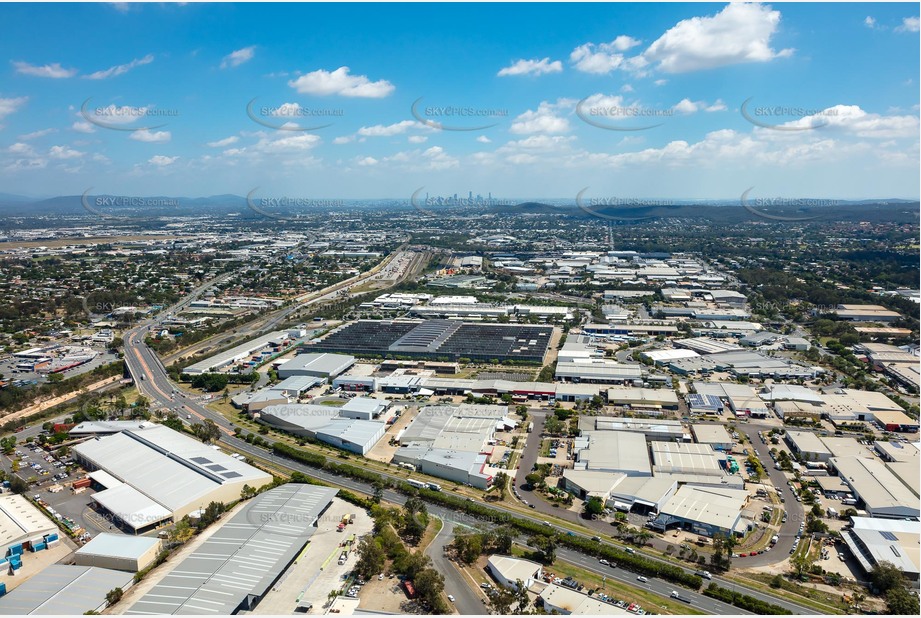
{"x":660,"y":587}
{"x":466,"y":600}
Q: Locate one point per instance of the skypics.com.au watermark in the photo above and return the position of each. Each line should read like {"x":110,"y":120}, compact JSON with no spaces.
{"x":607,"y":207}
{"x":455,"y":117}
{"x":786,"y":117}
{"x":125,"y":117}
{"x":290,"y":116}
{"x":275,"y":207}
{"x":453,"y":206}
{"x":621,"y":117}
{"x":781,"y":205}
{"x":99,"y":205}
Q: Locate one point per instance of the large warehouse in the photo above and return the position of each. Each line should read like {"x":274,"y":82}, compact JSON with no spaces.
{"x":704,"y":510}
{"x":64,"y":590}
{"x":269,"y":344}
{"x":316,"y":366}
{"x":21,"y":521}
{"x":119,"y":552}
{"x":438,"y":339}
{"x":159,"y":475}
{"x":881,"y":491}
{"x":325,"y":423}
{"x":873,"y":541}
{"x":241,"y":561}
{"x":451,"y":442}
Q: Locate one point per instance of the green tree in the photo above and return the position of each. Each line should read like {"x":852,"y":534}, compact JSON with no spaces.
{"x":902,"y":602}
{"x":429,"y":585}
{"x":593,"y":507}
{"x":208,"y":431}
{"x":113,"y":596}
{"x":371,"y":557}
{"x":885,"y":576}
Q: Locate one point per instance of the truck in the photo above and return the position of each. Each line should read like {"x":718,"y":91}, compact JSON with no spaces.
{"x":530,"y":427}
{"x":434,"y":486}
{"x":345,"y":520}
{"x":416,"y":484}
{"x":408,"y":466}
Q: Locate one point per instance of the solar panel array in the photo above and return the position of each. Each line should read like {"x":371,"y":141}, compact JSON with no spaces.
{"x":435,"y":339}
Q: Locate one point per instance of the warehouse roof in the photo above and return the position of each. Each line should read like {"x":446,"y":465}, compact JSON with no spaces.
{"x":367,"y":405}
{"x":21,"y":520}
{"x":684,"y":458}
{"x":885,"y":540}
{"x":356,"y":431}
{"x":322,"y":363}
{"x":168,"y":467}
{"x":790,"y":392}
{"x":513,"y":569}
{"x":243,"y":557}
{"x":131,"y":506}
{"x":807,"y":442}
{"x":572,"y":602}
{"x":711,"y":506}
{"x":64,"y":590}
{"x":236,"y":353}
{"x":655,"y":397}
{"x":118,"y":546}
{"x":898,"y":451}
{"x":617,"y":451}
{"x":877,"y":486}
{"x":711,"y":434}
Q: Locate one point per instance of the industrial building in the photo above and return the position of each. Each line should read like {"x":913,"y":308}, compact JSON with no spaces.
{"x":866,"y":313}
{"x":349,"y":431}
{"x":565,"y":601}
{"x":612,"y":451}
{"x":21,"y":521}
{"x":64,"y":590}
{"x":241,"y":561}
{"x":657,"y":429}
{"x":118,"y":552}
{"x":681,"y":459}
{"x":882,"y":493}
{"x":873,"y":541}
{"x":158,"y":475}
{"x":453,"y":442}
{"x":266,"y":345}
{"x":508,"y":571}
{"x":643,"y":399}
{"x":316,"y":365}
{"x":808,"y":446}
{"x":704,"y":510}
{"x":716,"y":436}
{"x":741,"y":399}
{"x":439,"y":340}
{"x":601,"y":371}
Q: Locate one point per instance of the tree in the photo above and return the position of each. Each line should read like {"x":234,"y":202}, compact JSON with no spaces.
{"x":378,"y":487}
{"x":17,"y":485}
{"x":208,"y":431}
{"x":546,"y":545}
{"x":247,"y":492}
{"x":371,"y":557}
{"x":885,"y":576}
{"x":534,"y":479}
{"x":429,"y":585}
{"x":902,"y":602}
{"x":593,"y":507}
{"x":113,"y":596}
{"x":501,"y":539}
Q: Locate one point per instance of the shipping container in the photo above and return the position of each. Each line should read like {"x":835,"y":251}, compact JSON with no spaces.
{"x":82,"y":482}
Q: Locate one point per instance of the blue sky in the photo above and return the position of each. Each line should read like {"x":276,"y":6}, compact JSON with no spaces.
{"x":151,"y":99}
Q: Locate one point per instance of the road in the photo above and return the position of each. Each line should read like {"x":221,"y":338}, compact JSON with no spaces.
{"x":466,"y":600}
{"x":794,"y":509}
{"x":658,"y":586}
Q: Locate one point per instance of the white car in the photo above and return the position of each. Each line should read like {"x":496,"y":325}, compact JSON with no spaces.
{"x":451,"y":597}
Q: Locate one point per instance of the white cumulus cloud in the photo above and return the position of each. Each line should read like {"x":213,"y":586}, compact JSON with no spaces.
{"x":740,"y":33}
{"x":341,"y":82}
{"x":532,"y":67}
